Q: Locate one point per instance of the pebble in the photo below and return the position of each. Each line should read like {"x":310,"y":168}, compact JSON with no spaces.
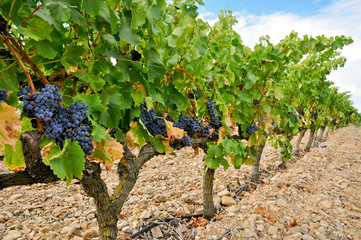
{"x":320,"y":192}
{"x":228,"y":201}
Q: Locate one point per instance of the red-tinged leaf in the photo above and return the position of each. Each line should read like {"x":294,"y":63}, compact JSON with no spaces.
{"x":180,"y":214}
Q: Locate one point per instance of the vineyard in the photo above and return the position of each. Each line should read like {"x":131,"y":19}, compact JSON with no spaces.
{"x":105,"y":96}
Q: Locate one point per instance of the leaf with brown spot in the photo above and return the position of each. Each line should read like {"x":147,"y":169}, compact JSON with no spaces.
{"x":10,"y":125}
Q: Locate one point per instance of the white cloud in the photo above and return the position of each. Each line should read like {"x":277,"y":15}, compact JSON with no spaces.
{"x":342,"y":17}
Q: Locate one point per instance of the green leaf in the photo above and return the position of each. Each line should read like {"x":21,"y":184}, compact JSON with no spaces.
{"x":96,"y":81}
{"x":60,"y":10}
{"x":139,"y":13}
{"x":127,"y":34}
{"x":92,"y":7}
{"x":138,"y":98}
{"x":69,"y":162}
{"x":72,"y":56}
{"x":237,"y":161}
{"x":45,"y":49}
{"x":14,"y":160}
{"x":158,"y":144}
{"x":36,"y":29}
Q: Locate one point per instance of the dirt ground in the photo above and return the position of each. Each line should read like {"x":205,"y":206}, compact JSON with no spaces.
{"x":318,"y":196}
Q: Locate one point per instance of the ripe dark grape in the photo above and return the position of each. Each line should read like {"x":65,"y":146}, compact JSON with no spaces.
{"x":187,"y":141}
{"x":154,"y":124}
{"x":3,"y":96}
{"x":301,"y":112}
{"x":46,"y":101}
{"x":314,"y":116}
{"x":215,"y":119}
{"x":192,"y":126}
{"x":326,"y":122}
{"x":252,"y":129}
{"x":334,"y":121}
{"x":71,"y":123}
{"x":295,"y":117}
{"x":255,"y":102}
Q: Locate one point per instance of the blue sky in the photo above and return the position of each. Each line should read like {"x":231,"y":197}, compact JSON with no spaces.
{"x":261,"y":7}
{"x":278,"y":18}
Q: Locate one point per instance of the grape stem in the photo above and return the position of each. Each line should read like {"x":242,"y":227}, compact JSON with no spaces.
{"x":187,"y":74}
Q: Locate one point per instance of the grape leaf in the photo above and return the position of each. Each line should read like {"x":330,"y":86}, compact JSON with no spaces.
{"x":14,"y":159}
{"x":69,"y":162}
{"x":10,"y":125}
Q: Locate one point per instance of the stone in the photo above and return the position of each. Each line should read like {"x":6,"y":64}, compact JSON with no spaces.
{"x":274,"y":208}
{"x":16,"y":196}
{"x":228,"y":201}
{"x":68,"y":230}
{"x":12,"y":235}
{"x":273,"y":230}
{"x":157,"y":232}
{"x":232,"y":209}
{"x":91,"y":233}
{"x":282,"y":203}
{"x":307,"y":237}
{"x":224,"y":193}
{"x":127,"y":229}
{"x":325,"y":204}
{"x":45,"y":229}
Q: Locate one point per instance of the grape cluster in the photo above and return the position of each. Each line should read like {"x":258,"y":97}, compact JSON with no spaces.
{"x":71,"y":123}
{"x":187,"y":141}
{"x":3,"y":96}
{"x":295,"y":117}
{"x":46,"y":101}
{"x":154,"y":124}
{"x":215,"y":119}
{"x":40,"y":105}
{"x":60,"y":123}
{"x":192,"y":126}
{"x":301,"y":112}
{"x":314,"y":116}
{"x":255,"y":102}
{"x":334,"y":121}
{"x":252,"y":129}
{"x":326,"y":122}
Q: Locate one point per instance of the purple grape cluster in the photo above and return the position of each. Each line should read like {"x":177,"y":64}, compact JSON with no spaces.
{"x":251,"y":129}
{"x":40,"y":104}
{"x":59,"y":122}
{"x":295,"y":117}
{"x":314,"y":116}
{"x":71,"y":123}
{"x":154,"y":124}
{"x":192,"y":126}
{"x":3,"y":96}
{"x":46,"y":101}
{"x":301,"y":112}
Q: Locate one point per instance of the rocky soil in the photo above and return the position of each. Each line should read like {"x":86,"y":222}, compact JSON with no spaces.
{"x":318,"y":196}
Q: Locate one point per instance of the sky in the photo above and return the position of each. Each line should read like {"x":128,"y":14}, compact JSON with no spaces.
{"x":312,"y":17}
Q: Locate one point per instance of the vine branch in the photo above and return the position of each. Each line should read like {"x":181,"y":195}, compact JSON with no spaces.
{"x":31,"y":14}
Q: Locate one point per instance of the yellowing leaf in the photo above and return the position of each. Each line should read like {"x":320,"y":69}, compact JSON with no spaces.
{"x":10,"y":125}
{"x":174,"y":131}
{"x":106,"y":152}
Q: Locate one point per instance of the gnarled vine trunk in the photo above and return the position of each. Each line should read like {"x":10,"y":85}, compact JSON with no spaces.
{"x":255,"y":176}
{"x":297,"y":151}
{"x":208,"y":205}
{"x":310,"y":140}
{"x":109,"y":207}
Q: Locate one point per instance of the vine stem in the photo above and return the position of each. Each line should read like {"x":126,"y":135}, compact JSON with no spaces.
{"x":11,"y":48}
{"x":260,"y":100}
{"x":187,"y":74}
{"x":31,"y":14}
{"x":28,"y":59}
{"x":9,"y":15}
{"x":98,"y":35}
